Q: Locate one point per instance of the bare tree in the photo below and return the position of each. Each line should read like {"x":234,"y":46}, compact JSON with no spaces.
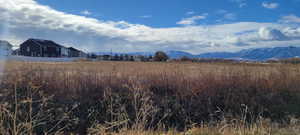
{"x":160,"y":56}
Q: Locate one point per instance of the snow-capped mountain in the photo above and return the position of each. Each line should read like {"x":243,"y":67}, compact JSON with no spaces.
{"x":258,"y":54}
{"x":271,"y":53}
{"x":179,"y":54}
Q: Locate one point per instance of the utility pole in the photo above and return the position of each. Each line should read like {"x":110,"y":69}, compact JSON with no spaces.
{"x":111,"y":54}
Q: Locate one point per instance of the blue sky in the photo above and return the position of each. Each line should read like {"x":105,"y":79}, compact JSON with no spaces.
{"x":165,"y":13}
{"x":194,"y":26}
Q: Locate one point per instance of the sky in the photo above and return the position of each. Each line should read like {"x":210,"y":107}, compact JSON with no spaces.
{"x":195,"y":26}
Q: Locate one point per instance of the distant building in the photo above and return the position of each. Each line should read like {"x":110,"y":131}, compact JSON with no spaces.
{"x":16,"y":52}
{"x":5,"y":48}
{"x":47,"y":48}
{"x":104,"y":57}
{"x":139,"y":58}
{"x":124,"y":57}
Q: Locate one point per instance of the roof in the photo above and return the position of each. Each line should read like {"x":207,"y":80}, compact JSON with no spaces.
{"x":42,"y":42}
{"x":74,"y":49}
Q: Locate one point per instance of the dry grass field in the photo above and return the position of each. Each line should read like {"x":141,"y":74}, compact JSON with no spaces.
{"x":150,"y":98}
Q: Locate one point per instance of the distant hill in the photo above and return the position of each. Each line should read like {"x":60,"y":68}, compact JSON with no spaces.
{"x":179,"y":54}
{"x":258,"y":54}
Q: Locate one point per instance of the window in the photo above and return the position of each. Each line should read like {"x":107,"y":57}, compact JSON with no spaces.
{"x":28,"y":49}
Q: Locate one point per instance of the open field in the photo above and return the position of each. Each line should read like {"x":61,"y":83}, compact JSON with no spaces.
{"x":149,"y":98}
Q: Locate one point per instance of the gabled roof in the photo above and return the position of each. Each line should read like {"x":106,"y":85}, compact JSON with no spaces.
{"x":42,"y":42}
{"x":74,"y":49}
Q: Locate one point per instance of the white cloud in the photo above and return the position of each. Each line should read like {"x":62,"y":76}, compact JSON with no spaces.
{"x":290,"y":19}
{"x":271,"y":34}
{"x":190,"y":13}
{"x":23,"y":19}
{"x":230,"y":16}
{"x":146,"y":16}
{"x":191,"y":20}
{"x":270,"y":5}
{"x":241,"y":3}
{"x":292,"y":32}
{"x":225,"y":15}
{"x":85,"y":12}
{"x":221,"y":11}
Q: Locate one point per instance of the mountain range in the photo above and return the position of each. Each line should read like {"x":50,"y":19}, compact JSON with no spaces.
{"x":257,"y":54}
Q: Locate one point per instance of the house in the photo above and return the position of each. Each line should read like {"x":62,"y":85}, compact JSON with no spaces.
{"x":64,"y":52}
{"x":5,"y":48}
{"x":48,"y":48}
{"x":16,"y":52}
{"x":104,"y":57}
{"x":140,"y":58}
{"x":42,"y":48}
{"x":73,"y":52}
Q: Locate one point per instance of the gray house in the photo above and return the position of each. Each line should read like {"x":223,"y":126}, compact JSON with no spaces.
{"x":5,"y":48}
{"x":41,"y":48}
{"x":47,"y":48}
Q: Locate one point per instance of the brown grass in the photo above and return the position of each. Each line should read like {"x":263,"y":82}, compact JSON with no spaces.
{"x":101,"y":97}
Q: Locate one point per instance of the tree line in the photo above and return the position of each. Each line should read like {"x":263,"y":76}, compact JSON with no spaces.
{"x":158,"y":56}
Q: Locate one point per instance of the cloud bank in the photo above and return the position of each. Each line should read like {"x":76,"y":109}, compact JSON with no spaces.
{"x":290,"y":19}
{"x":22,"y":19}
